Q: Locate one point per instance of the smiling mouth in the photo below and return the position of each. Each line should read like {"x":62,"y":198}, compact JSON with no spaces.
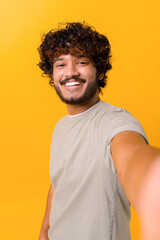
{"x":68,"y":82}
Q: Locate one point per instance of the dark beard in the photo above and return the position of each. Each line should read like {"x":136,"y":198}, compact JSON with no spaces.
{"x":89,"y":93}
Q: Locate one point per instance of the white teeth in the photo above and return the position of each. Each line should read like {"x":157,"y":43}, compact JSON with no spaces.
{"x":72,"y":83}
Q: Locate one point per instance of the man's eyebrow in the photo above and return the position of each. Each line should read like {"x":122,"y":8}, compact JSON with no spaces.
{"x":57,"y":59}
{"x":61,"y":59}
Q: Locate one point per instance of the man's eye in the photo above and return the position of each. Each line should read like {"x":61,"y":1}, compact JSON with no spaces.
{"x":60,"y":65}
{"x":83,"y":62}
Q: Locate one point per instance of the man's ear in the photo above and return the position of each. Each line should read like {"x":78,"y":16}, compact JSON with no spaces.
{"x":101,"y":76}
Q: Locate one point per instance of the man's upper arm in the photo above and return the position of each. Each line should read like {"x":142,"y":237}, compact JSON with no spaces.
{"x":128,"y":151}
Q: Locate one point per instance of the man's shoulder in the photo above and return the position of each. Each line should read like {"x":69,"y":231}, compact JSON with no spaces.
{"x":116,"y":116}
{"x":61,"y":121}
{"x":111,"y":109}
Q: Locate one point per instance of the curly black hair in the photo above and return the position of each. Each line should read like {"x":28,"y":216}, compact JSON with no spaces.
{"x":77,"y":39}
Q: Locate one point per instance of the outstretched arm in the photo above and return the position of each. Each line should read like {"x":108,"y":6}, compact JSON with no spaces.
{"x":45,"y":223}
{"x":149,"y":204}
{"x":133,"y":158}
{"x":138,"y":168}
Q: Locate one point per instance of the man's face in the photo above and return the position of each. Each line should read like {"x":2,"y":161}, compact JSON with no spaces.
{"x":75,"y":79}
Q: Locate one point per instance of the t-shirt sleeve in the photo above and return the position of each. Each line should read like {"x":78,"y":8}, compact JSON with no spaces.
{"x":123,"y":121}
{"x":120,"y":121}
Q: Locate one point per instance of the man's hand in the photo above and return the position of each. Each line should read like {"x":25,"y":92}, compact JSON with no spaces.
{"x":43,"y":234}
{"x":45,"y":224}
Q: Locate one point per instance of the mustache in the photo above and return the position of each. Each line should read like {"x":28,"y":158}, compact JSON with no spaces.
{"x":75,"y":78}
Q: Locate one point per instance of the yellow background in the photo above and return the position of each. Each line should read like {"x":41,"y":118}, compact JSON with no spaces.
{"x":30,"y":108}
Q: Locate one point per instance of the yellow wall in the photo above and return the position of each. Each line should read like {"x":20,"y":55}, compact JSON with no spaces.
{"x":30,"y":108}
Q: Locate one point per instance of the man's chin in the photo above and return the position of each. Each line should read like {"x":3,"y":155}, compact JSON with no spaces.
{"x":72,"y":101}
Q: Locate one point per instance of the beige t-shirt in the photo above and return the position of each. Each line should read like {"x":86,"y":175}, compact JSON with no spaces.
{"x":89,"y":202}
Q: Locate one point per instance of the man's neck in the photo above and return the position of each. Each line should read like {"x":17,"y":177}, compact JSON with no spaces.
{"x":79,"y":108}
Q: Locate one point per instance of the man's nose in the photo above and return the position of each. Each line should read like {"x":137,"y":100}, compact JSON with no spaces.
{"x":71,"y":70}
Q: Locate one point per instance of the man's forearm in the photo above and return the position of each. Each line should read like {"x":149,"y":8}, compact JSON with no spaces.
{"x":149,"y":204}
{"x":45,"y":223}
{"x":138,"y":169}
{"x":133,"y":159}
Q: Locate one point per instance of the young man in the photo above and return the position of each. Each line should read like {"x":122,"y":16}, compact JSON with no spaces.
{"x":100,"y":156}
